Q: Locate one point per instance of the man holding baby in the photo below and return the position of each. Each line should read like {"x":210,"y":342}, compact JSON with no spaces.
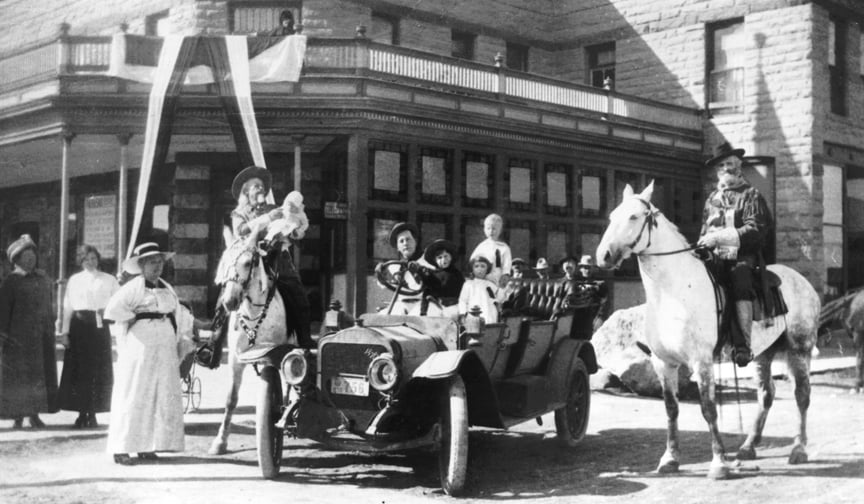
{"x":253,"y":215}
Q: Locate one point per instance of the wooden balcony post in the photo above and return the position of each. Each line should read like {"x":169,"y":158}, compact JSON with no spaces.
{"x":63,"y":54}
{"x":502,"y":78}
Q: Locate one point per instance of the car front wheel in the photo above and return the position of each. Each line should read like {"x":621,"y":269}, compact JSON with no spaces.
{"x":453,"y":454}
{"x":267,"y":412}
{"x":571,"y":420}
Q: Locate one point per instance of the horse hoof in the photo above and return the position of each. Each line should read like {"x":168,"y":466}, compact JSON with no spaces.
{"x":798,"y":456}
{"x":718,"y":472}
{"x":217,"y":448}
{"x":668,"y":467}
{"x":746,"y":453}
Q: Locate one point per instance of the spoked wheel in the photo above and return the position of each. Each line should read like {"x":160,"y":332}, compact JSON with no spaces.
{"x":453,"y":454}
{"x":185,"y":390}
{"x":571,"y":420}
{"x":267,"y":413}
{"x":195,"y":394}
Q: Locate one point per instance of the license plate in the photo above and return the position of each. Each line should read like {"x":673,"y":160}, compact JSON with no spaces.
{"x":347,"y":385}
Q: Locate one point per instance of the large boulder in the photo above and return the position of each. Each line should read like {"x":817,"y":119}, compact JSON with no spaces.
{"x":625,"y":358}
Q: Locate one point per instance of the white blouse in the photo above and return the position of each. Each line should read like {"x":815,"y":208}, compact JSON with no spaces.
{"x":87,"y":291}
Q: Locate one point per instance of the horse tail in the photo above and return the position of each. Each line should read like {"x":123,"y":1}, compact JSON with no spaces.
{"x":835,"y":310}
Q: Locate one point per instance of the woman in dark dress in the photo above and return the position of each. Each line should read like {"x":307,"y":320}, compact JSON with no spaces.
{"x":85,"y":385}
{"x":28,"y":385}
{"x":445,"y":281}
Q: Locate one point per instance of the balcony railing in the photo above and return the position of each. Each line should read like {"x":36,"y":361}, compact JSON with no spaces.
{"x":73,"y":55}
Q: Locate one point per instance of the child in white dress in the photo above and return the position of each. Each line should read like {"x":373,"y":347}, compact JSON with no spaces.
{"x":479,"y":291}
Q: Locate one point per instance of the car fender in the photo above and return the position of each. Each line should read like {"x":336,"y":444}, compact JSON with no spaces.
{"x":562,"y":362}
{"x":482,"y":402}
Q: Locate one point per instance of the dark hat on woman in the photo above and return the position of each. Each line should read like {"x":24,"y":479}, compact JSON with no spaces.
{"x":286,"y":14}
{"x":248,"y":173}
{"x":435,"y":248}
{"x":402,"y":226}
{"x":133,"y":264}
{"x":23,"y":243}
{"x":723,"y":151}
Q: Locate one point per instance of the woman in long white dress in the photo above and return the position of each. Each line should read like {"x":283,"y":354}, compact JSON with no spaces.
{"x":146,"y":403}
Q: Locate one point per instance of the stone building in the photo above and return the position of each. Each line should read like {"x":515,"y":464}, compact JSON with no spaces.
{"x":439,"y":113}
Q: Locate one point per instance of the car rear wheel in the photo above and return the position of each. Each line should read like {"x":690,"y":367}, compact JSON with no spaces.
{"x":453,"y":454}
{"x":267,"y":412}
{"x":571,"y":420}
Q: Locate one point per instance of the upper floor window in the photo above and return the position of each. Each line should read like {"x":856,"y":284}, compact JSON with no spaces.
{"x":517,"y":57}
{"x":157,"y":24}
{"x":725,"y":66}
{"x":601,"y":65}
{"x":837,"y":65}
{"x":462,"y":45}
{"x":260,"y":17}
{"x":384,"y":29}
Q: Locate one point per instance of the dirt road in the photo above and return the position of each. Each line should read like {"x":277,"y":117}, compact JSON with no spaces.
{"x":614,"y":464}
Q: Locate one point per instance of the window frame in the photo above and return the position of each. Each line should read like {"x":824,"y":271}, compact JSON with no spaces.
{"x":470,"y":44}
{"x":400,"y":195}
{"x":733,"y":107}
{"x":517,"y":56}
{"x":524,"y":163}
{"x":489,"y":161}
{"x":837,"y":70}
{"x":567,"y":170}
{"x":592,"y":54}
{"x":393,"y":21}
{"x":447,"y":156}
{"x":151,"y":22}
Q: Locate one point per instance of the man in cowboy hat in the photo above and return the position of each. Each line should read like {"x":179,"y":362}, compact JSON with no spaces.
{"x":735,"y":226}
{"x":542,"y":268}
{"x":585,"y":290}
{"x":253,"y":214}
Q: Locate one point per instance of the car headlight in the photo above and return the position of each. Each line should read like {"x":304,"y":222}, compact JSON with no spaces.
{"x":295,"y":367}
{"x":383,"y":372}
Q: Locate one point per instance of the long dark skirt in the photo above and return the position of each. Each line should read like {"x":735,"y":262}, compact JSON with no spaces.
{"x":88,"y":375}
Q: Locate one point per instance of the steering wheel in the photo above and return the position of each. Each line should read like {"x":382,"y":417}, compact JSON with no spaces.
{"x":391,"y":274}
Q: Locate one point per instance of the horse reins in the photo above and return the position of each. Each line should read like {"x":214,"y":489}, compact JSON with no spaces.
{"x":252,"y":332}
{"x":651,"y":222}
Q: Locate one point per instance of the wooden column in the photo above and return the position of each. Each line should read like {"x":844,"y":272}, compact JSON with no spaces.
{"x":122,"y":198}
{"x":67,"y":137}
{"x":355,"y":278}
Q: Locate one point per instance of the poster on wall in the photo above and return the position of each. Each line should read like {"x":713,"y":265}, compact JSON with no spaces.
{"x":100,"y":222}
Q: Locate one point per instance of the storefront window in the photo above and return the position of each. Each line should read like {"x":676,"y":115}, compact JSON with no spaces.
{"x":472,"y":234}
{"x":592,"y":193}
{"x":387,"y":169}
{"x":433,"y":227}
{"x":519,"y":180}
{"x":520,"y":237}
{"x":557,"y":246}
{"x":558,"y":191}
{"x":380,"y":224}
{"x":479,"y":180}
{"x":434,"y":176}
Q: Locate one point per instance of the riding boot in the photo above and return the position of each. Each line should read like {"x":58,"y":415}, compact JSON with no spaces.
{"x":741,"y":354}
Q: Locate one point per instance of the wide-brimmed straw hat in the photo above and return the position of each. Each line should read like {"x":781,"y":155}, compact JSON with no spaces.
{"x":542,"y":264}
{"x":723,"y":151}
{"x":435,"y":248}
{"x":148,"y":249}
{"x":248,"y":173}
{"x":23,"y":243}
{"x":402,"y":226}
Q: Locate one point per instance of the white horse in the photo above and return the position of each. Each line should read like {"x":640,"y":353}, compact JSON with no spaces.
{"x":257,"y":322}
{"x":681,"y":325}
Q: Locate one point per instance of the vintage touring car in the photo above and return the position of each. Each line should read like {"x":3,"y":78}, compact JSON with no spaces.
{"x":396,"y":383}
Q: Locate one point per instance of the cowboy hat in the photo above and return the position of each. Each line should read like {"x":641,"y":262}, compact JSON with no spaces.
{"x":133,"y":264}
{"x":398,"y":228}
{"x":518,"y":260}
{"x":435,"y":248}
{"x":723,"y":151}
{"x":542,"y":264}
{"x":251,"y":172}
{"x":23,"y":243}
{"x":586,"y":260}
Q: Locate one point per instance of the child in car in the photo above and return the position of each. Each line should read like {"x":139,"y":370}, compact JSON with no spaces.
{"x":479,"y":291}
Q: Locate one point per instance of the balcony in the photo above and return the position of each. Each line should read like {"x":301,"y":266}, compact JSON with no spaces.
{"x":77,"y":65}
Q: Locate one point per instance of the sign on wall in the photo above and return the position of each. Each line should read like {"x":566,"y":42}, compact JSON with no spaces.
{"x":100,"y":222}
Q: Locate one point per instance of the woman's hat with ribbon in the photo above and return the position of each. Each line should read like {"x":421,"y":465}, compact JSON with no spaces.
{"x":23,"y":243}
{"x":148,"y":249}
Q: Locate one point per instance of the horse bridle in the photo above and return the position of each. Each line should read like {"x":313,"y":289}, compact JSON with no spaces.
{"x":243,"y":320}
{"x":649,"y":223}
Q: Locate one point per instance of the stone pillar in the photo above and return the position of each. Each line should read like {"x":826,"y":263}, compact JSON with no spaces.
{"x":190,"y":237}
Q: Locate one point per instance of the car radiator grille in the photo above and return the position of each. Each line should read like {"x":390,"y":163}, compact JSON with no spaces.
{"x":348,"y":359}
